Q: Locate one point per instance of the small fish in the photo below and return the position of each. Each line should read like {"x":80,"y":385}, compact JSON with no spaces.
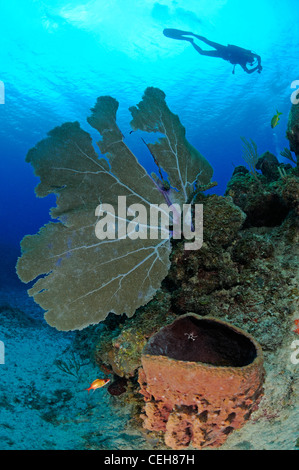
{"x":98,"y":383}
{"x":275,"y":119}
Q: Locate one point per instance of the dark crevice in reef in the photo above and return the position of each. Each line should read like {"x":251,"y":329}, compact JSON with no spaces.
{"x":269,"y":213}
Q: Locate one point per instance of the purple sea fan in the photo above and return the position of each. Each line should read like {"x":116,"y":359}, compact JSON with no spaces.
{"x":81,"y":278}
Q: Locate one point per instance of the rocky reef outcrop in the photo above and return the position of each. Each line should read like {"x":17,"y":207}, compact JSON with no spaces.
{"x":120,"y":345}
{"x":266,"y":198}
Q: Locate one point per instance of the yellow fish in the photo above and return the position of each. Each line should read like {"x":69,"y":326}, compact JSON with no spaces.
{"x":98,"y":383}
{"x":275,"y":119}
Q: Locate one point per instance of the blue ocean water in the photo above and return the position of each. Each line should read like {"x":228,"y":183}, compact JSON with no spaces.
{"x":57,"y":57}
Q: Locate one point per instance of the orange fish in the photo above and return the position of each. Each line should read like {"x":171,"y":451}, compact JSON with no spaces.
{"x":98,"y":383}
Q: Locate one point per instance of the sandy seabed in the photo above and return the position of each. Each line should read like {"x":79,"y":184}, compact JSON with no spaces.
{"x":42,"y":407}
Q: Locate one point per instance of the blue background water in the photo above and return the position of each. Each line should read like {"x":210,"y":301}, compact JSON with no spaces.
{"x":57,"y":57}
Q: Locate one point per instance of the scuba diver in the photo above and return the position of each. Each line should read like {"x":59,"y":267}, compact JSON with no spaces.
{"x":233,"y":54}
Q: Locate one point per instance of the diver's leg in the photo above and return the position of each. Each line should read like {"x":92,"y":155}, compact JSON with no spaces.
{"x":216,"y":53}
{"x":179,"y":34}
{"x":210,"y":43}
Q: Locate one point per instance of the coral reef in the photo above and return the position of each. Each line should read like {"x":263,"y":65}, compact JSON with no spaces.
{"x":268,"y":164}
{"x":264,"y":200}
{"x":245,"y":274}
{"x":242,"y":273}
{"x":201,"y":379}
{"x":252,"y":279}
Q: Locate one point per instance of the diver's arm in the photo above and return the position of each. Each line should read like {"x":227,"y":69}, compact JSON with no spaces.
{"x":249,"y":71}
{"x":259,"y":67}
{"x":259,"y":60}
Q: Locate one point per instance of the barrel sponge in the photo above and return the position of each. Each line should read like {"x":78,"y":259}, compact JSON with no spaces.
{"x":201,"y":378}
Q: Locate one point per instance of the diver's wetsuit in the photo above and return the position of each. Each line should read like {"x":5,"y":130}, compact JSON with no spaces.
{"x":233,"y":54}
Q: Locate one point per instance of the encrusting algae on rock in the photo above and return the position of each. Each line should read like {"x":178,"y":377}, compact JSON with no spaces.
{"x":121,"y":347}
